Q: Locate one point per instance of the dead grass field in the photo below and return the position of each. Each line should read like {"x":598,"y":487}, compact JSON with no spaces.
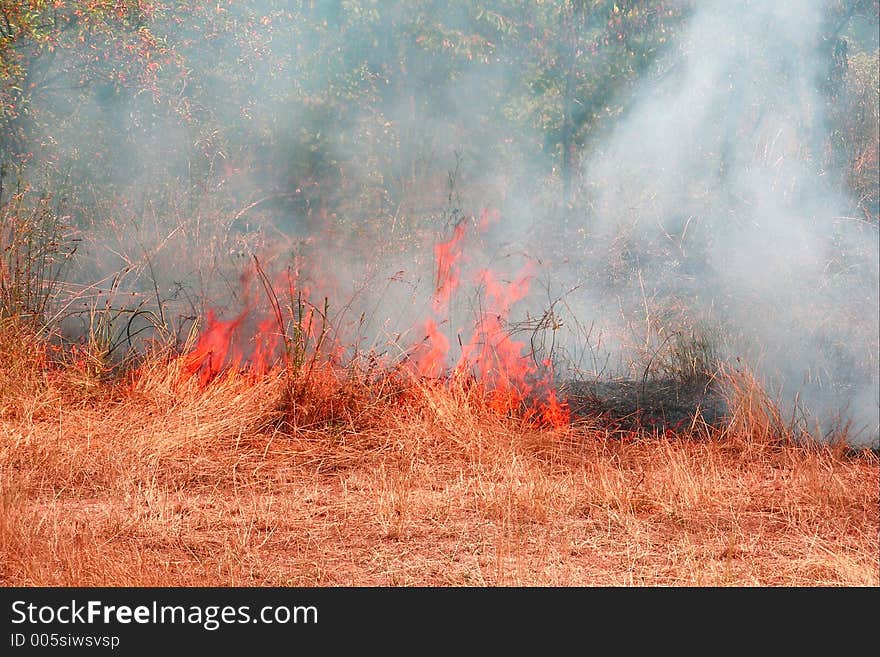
{"x":153,"y":482}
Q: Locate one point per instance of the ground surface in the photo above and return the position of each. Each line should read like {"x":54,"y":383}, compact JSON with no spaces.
{"x":158,"y":484}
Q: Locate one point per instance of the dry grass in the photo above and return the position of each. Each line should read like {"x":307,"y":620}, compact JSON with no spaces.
{"x":151,"y":481}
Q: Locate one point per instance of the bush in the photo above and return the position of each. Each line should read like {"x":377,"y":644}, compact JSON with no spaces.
{"x":34,"y":253}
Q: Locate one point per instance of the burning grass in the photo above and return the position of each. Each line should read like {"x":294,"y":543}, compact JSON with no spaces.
{"x":350,"y":476}
{"x":265,"y":452}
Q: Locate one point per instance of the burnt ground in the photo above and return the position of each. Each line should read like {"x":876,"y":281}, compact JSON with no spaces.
{"x":652,"y":404}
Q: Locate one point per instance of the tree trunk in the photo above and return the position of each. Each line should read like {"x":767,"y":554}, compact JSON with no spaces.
{"x":571,"y":14}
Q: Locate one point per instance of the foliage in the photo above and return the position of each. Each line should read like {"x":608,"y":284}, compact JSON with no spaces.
{"x":34,"y":253}
{"x":856,"y":136}
{"x":350,"y":113}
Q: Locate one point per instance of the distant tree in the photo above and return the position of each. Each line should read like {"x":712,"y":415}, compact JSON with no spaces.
{"x":359,"y":100}
{"x":578,"y":59}
{"x":55,"y":52}
{"x":850,"y":82}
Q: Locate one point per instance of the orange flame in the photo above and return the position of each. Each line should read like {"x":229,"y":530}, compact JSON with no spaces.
{"x":553,"y":413}
{"x":503,"y":366}
{"x":488,"y":217}
{"x":265,"y":344}
{"x":210,"y":353}
{"x":430,"y":356}
{"x":447,"y":255}
{"x":495,"y":358}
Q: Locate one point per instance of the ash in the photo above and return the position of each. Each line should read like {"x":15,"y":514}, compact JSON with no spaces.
{"x":652,"y":404}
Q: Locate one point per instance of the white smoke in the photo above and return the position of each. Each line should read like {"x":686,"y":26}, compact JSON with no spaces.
{"x":715,"y":180}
